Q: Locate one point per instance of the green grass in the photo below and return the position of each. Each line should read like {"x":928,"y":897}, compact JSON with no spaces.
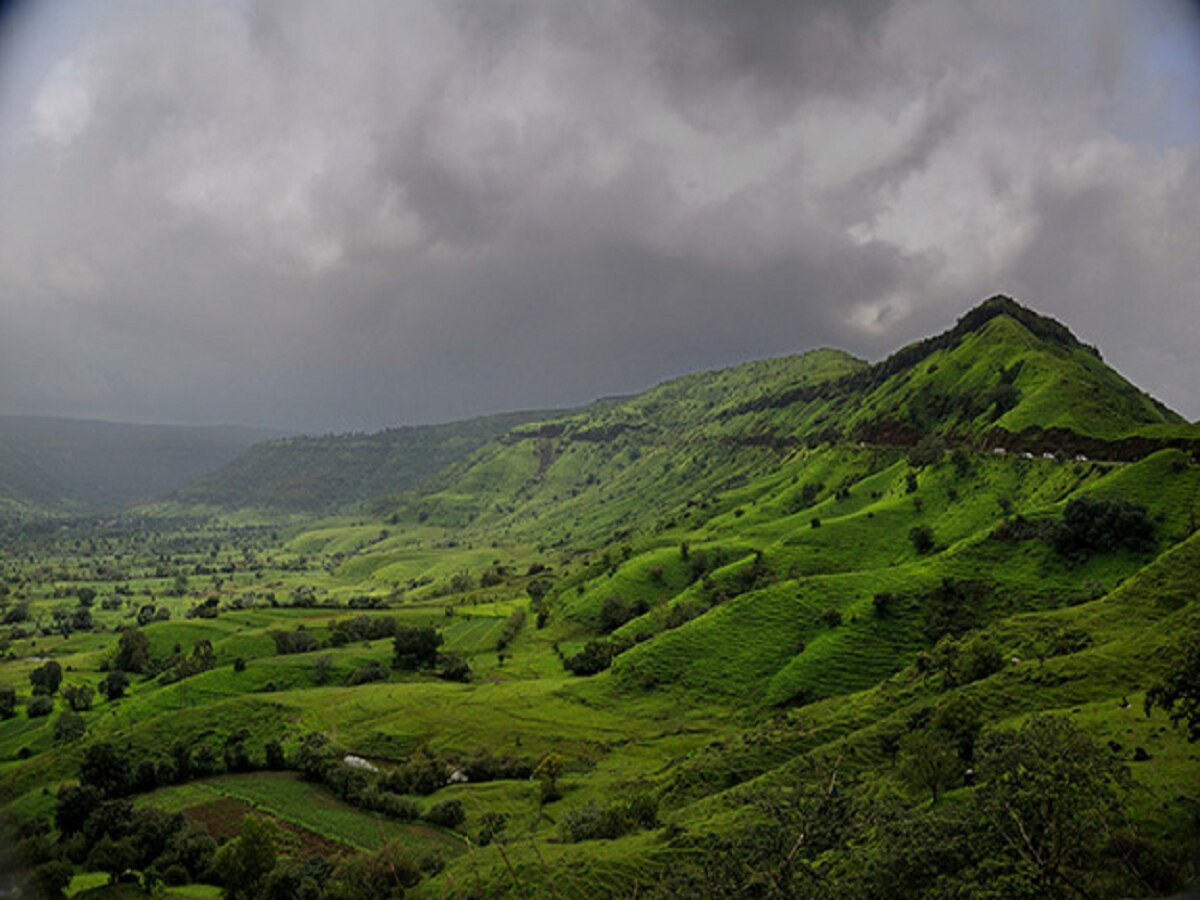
{"x":697,"y":497}
{"x":310,"y":807}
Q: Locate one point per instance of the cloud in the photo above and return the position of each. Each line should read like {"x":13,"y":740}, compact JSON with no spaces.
{"x":260,"y":212}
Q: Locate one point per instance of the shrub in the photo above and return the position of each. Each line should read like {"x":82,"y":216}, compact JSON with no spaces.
{"x":372,"y":671}
{"x":922,"y":539}
{"x":69,"y":727}
{"x":512,"y":627}
{"x":927,"y":452}
{"x":885,"y":604}
{"x":832,"y":617}
{"x":416,"y":647}
{"x":133,"y":651}
{"x":491,"y":827}
{"x":596,"y":656}
{"x":39,"y":705}
{"x":1090,"y":525}
{"x":593,"y":822}
{"x":965,"y":662}
{"x":298,"y":641}
{"x":422,"y":773}
{"x":273,"y":752}
{"x":114,"y":685}
{"x":453,"y":667}
{"x":8,"y":702}
{"x":396,"y":806}
{"x":447,"y":814}
{"x":616,"y":611}
{"x":361,"y":628}
{"x":175,"y":875}
{"x":46,"y":678}
{"x":78,"y":696}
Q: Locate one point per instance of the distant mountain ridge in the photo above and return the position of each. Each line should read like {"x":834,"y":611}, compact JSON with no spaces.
{"x":83,"y":466}
{"x":321,"y":474}
{"x":1003,"y":376}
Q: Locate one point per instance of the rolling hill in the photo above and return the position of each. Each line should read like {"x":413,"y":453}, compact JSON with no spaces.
{"x":796,"y":628}
{"x":325,"y":473}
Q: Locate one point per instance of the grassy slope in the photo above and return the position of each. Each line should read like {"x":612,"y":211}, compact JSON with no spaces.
{"x":320,"y":473}
{"x":760,"y":680}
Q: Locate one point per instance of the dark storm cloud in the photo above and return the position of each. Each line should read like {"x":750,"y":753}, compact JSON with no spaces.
{"x":262,"y":212}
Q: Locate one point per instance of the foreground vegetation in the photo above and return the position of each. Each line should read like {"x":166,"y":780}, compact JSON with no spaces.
{"x":805,"y":627}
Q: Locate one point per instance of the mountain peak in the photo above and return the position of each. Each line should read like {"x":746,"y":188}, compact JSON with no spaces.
{"x":1045,"y":327}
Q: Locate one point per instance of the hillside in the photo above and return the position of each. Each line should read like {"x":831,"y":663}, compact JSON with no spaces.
{"x":83,"y":466}
{"x":789,"y":629}
{"x":319,"y":474}
{"x":1002,"y":377}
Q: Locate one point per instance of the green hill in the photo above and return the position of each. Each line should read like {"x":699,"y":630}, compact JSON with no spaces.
{"x":790,"y":629}
{"x":319,"y":474}
{"x":1003,"y":377}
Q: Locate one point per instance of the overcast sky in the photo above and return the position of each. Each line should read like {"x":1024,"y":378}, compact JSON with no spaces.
{"x":328,"y":216}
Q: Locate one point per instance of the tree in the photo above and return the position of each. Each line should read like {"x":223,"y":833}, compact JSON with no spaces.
{"x":105,"y":768}
{"x":181,"y":759}
{"x":295,"y":880}
{"x":75,"y":803}
{"x":958,"y":719}
{"x":202,"y":653}
{"x":39,"y":705}
{"x":374,"y":876}
{"x":1090,"y":525}
{"x":51,"y":878}
{"x":889,"y":745}
{"x":116,"y":857}
{"x":416,"y":647}
{"x":273,"y":752}
{"x":46,"y":678}
{"x":78,"y":696}
{"x":8,"y":701}
{"x":316,"y":755}
{"x":885,"y":604}
{"x":69,"y":727}
{"x":133,"y":651}
{"x":191,"y":847}
{"x":596,"y":656}
{"x":447,"y":814}
{"x":244,"y":862}
{"x":922,"y":539}
{"x":616,"y":611}
{"x":548,"y":770}
{"x":114,"y":685}
{"x":237,"y":755}
{"x":1178,"y":694}
{"x":453,"y":667}
{"x":1050,"y":794}
{"x":322,"y":669}
{"x":930,"y":763}
{"x":927,"y":452}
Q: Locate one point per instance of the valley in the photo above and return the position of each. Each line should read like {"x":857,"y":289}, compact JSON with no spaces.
{"x":805,"y":627}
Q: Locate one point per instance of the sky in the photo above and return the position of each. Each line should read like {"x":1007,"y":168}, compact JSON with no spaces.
{"x":326,"y":217}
